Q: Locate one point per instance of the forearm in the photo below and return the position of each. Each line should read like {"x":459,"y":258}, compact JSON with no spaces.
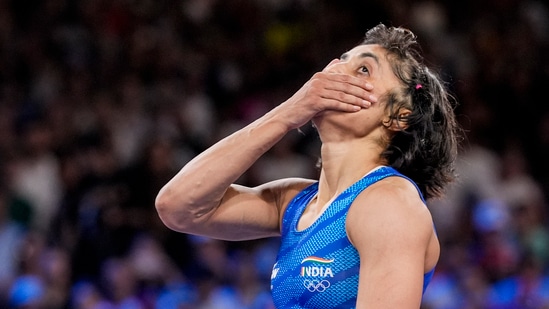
{"x":195,"y":193}
{"x":197,"y":189}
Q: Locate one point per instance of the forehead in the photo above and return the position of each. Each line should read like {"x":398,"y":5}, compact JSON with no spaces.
{"x":372,"y":49}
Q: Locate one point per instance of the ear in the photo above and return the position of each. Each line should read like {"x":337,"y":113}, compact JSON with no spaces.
{"x":399,"y":123}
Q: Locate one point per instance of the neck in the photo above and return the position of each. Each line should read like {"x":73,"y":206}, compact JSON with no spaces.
{"x":344,"y":163}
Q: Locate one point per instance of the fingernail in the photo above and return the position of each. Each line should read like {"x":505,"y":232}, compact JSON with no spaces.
{"x":372,"y":98}
{"x":366,"y":103}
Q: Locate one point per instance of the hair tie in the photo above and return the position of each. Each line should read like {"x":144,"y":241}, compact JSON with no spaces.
{"x":419,"y":86}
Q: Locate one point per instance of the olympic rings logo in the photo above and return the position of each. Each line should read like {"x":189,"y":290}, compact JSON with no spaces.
{"x":315,"y":285}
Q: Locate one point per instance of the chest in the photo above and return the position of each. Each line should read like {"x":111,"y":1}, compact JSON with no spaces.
{"x":316,"y":267}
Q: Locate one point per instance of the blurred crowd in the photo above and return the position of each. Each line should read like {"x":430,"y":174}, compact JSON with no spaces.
{"x":102,"y":101}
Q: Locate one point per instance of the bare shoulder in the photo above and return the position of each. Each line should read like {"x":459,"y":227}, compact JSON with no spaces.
{"x":390,"y":207}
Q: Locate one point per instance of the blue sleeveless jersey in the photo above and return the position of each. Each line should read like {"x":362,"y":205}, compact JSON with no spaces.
{"x":318,"y":267}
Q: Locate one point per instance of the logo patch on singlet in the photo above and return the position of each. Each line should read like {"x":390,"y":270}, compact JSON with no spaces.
{"x":316,"y":271}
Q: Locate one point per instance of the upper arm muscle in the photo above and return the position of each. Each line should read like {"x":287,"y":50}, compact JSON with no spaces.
{"x":391,"y":228}
{"x":251,"y":213}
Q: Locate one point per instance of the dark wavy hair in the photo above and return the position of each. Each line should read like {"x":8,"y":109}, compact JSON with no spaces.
{"x":426,"y":148}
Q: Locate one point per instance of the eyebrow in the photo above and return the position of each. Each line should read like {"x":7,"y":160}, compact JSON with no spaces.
{"x":362,"y":55}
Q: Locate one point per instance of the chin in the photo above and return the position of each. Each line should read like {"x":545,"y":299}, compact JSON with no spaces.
{"x":334,"y":120}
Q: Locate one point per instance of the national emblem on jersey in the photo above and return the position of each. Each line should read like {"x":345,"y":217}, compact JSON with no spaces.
{"x":316,"y":272}
{"x":316,"y":267}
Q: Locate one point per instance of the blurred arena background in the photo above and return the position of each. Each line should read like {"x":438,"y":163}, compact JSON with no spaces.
{"x":102,"y":101}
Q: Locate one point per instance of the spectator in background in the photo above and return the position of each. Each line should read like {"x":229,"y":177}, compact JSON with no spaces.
{"x":36,"y":173}
{"x":12,"y":235}
{"x":527,"y":289}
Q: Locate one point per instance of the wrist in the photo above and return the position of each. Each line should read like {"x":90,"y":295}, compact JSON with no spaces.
{"x":286,"y":119}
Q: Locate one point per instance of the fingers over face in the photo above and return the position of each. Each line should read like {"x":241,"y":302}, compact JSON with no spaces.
{"x":349,"y":85}
{"x":329,"y":66}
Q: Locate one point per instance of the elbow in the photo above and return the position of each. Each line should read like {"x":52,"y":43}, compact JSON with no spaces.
{"x":178,"y":213}
{"x":168,"y":212}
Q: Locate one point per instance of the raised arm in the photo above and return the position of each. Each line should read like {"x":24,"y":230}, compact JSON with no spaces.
{"x":202,"y":199}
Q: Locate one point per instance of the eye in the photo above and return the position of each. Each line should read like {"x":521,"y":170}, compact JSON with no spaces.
{"x":363,"y":70}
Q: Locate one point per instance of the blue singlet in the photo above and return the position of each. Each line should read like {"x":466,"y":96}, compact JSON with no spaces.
{"x":318,"y":267}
